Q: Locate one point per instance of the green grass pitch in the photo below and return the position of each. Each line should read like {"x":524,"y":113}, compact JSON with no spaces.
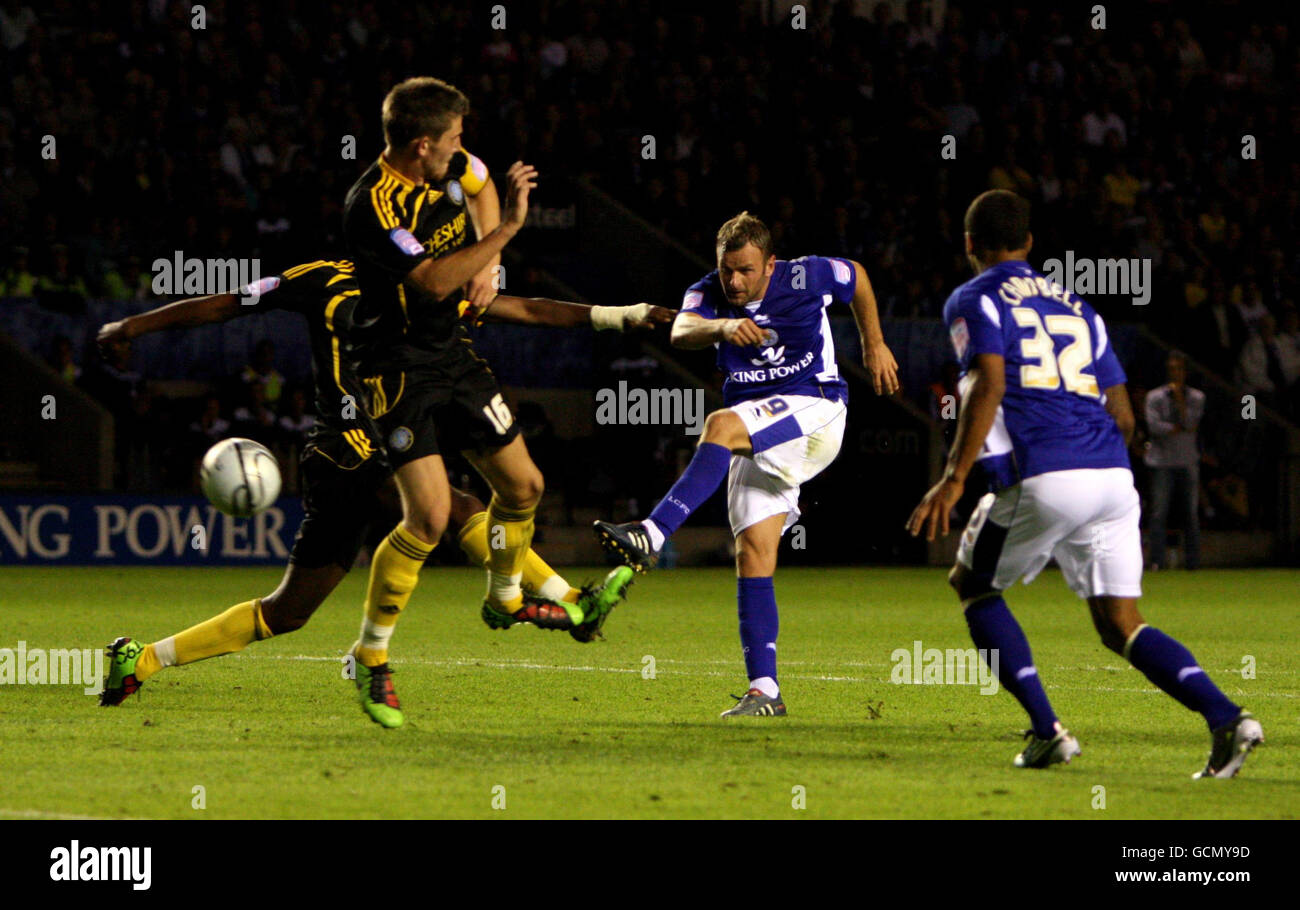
{"x":581,"y":731}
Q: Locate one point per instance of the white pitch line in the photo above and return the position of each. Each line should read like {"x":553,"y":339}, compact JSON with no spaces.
{"x":525,"y":665}
{"x":63,"y":816}
{"x":454,"y":662}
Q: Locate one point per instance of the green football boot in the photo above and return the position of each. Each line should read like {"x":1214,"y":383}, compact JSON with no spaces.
{"x":378,"y":698}
{"x":596,"y":603}
{"x":538,"y":610}
{"x":120,"y":681}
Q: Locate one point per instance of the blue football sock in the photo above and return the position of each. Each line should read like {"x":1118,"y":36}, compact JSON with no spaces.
{"x":756,"y":599}
{"x":707,"y":470}
{"x":1173,"y":668}
{"x":992,"y":627}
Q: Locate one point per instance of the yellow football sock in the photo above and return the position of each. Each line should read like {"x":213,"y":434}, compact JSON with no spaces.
{"x":394,"y":570}
{"x":509,"y":534}
{"x":473,"y":538}
{"x":222,"y":634}
{"x":546,"y":581}
{"x":537,"y":574}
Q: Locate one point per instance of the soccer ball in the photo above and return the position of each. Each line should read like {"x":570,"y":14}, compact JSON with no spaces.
{"x":240,"y":477}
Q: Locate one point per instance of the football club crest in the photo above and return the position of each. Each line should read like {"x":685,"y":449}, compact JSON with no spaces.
{"x":400,"y":439}
{"x":771,"y":354}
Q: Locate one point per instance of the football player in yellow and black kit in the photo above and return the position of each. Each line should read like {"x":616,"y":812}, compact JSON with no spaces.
{"x":342,"y":468}
{"x":407,"y":226}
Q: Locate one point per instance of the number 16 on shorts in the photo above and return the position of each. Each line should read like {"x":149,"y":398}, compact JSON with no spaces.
{"x":498,"y":412}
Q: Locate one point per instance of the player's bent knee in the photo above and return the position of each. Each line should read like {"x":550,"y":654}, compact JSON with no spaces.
{"x":1111,"y":637}
{"x":1115,"y":619}
{"x":969,"y":587}
{"x":723,"y":428}
{"x":522,"y":492}
{"x":429,"y":528}
{"x":535,"y":487}
{"x":752,"y":562}
{"x":283,"y":625}
{"x":287,"y":614}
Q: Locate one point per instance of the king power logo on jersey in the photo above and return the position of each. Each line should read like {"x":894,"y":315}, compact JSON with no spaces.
{"x":774,"y":372}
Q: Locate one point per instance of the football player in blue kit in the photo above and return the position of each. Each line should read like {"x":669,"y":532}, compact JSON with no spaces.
{"x":1045,"y":412}
{"x":782,"y":424}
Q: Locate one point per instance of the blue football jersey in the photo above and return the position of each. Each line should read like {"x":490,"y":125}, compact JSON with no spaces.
{"x":1058,"y":364}
{"x":798,"y":355}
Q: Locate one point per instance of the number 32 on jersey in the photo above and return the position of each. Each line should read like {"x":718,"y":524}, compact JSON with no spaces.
{"x":1052,"y":369}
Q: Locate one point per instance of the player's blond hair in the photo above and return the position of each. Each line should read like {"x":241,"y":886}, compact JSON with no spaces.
{"x":742,"y":229}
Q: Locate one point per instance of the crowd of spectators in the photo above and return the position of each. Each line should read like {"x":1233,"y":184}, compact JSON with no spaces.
{"x":1164,"y":136}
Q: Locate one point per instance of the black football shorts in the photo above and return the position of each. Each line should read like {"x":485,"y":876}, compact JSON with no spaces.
{"x":340,"y":484}
{"x":455,"y":401}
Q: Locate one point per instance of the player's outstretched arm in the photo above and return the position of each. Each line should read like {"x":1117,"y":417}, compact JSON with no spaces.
{"x":562,"y":314}
{"x":441,"y":276}
{"x":979,"y":408}
{"x":876,"y":356}
{"x":180,"y":314}
{"x":1120,"y":408}
{"x":692,"y":331}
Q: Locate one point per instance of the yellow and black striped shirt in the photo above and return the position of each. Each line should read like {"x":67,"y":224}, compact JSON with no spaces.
{"x":325,"y":292}
{"x":391,"y":225}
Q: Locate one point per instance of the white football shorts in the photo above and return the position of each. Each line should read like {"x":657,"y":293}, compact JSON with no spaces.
{"x":1086,"y":518}
{"x":794,"y":438}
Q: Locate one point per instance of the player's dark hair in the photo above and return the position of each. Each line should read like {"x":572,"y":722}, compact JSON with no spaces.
{"x":421,"y":106}
{"x":743,"y":229}
{"x":998,"y":220}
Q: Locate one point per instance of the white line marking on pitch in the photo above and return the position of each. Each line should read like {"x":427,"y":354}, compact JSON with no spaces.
{"x":65,"y":816}
{"x":460,"y":662}
{"x":522,"y":665}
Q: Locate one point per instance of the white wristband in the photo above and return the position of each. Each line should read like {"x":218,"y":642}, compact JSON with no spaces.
{"x":616,"y":317}
{"x":606,"y":317}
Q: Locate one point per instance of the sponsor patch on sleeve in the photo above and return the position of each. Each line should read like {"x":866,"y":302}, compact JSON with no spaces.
{"x":692,"y":300}
{"x":841,"y":271}
{"x":406,"y":242}
{"x":960,"y":335}
{"x":477,"y":167}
